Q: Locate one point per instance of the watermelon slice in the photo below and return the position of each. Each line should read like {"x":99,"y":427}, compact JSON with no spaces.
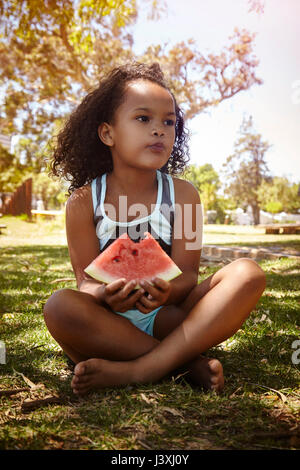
{"x":126,"y":259}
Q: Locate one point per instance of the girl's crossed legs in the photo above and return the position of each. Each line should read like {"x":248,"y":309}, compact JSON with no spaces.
{"x":110,"y":351}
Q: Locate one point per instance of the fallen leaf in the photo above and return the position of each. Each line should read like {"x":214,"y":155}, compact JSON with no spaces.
{"x":171,"y":410}
{"x":28,"y":381}
{"x":281,"y":395}
{"x":147,"y":399}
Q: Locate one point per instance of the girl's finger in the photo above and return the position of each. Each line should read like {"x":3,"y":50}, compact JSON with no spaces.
{"x":129,"y":302}
{"x":142,"y":308}
{"x":146,"y":302}
{"x":153,"y":291}
{"x":127,"y":289}
{"x":160,"y":283}
{"x":115,"y":286}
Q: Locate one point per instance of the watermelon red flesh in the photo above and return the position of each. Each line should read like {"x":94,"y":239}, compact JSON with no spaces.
{"x":127,"y":259}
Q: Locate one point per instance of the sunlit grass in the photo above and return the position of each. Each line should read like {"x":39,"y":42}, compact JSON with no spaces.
{"x":248,"y":235}
{"x":259,"y":408}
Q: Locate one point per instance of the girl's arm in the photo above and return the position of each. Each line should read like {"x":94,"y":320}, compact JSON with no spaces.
{"x":186,"y":251}
{"x":187,"y":240}
{"x":83,"y":243}
{"x":84,"y":247}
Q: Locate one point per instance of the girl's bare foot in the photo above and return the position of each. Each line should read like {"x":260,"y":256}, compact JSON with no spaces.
{"x":99,"y":373}
{"x":207,"y":373}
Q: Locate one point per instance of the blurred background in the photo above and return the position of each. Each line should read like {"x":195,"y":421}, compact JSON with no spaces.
{"x":234,"y":69}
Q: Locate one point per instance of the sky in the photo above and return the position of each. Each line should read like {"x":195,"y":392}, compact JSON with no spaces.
{"x":274,"y":105}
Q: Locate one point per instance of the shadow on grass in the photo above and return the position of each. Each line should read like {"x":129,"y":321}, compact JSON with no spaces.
{"x":27,"y":273}
{"x":45,"y":254}
{"x":167,"y":415}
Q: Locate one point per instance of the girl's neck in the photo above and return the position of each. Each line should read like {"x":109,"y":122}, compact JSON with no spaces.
{"x":133,"y":180}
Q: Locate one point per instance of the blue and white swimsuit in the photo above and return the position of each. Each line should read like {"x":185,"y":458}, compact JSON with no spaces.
{"x":159,"y":223}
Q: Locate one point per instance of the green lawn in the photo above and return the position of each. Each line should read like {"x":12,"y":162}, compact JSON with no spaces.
{"x":239,"y":235}
{"x":259,"y":408}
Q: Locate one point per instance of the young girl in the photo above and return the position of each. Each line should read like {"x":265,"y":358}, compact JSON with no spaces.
{"x":125,"y":140}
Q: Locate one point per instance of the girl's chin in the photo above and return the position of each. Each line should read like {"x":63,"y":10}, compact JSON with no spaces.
{"x":148,"y":160}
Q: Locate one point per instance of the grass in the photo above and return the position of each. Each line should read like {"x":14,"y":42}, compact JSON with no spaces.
{"x":259,"y":408}
{"x":241,"y":235}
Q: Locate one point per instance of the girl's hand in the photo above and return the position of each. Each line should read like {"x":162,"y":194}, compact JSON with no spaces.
{"x":158,"y":295}
{"x":119,"y":296}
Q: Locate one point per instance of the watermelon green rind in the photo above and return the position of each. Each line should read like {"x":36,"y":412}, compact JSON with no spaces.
{"x":102,"y":276}
{"x":99,"y":274}
{"x":150,"y":261}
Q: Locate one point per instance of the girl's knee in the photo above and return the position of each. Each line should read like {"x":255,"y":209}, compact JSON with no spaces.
{"x":249,"y":272}
{"x":56,"y":303}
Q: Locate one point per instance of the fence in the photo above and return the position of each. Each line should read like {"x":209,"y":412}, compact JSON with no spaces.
{"x":18,"y":202}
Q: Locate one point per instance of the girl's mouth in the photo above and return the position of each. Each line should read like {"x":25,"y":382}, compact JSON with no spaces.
{"x":157,"y":147}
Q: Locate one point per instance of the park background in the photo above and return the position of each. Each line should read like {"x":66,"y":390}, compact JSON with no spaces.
{"x":233,"y":66}
{"x":241,"y":99}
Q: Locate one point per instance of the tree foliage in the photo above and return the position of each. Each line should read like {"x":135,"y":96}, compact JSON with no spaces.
{"x":206,"y":180}
{"x":12,"y":172}
{"x":279,"y":195}
{"x":53,"y":52}
{"x":49,"y":191}
{"x":201,"y":81}
{"x":246,"y":168}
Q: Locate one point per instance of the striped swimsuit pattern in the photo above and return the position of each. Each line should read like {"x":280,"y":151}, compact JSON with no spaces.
{"x":159,"y":223}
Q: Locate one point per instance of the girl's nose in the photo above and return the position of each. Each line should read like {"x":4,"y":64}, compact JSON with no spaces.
{"x":157,"y":133}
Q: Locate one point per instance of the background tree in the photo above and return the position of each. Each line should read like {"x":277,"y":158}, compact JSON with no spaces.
{"x":279,"y":195}
{"x":207,"y":181}
{"x":12,"y":172}
{"x":53,"y":52}
{"x":246,"y":168}
{"x":49,"y":191}
{"x":201,"y":81}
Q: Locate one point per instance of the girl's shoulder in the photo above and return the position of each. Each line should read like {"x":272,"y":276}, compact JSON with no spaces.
{"x":185,"y":191}
{"x":80,"y":200}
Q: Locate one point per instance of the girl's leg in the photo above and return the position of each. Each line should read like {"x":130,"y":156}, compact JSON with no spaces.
{"x":218,"y":308}
{"x":212,"y":312}
{"x":85,"y":329}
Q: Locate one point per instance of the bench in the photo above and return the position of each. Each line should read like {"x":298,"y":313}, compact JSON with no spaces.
{"x":46,"y":214}
{"x":1,"y":227}
{"x":282,"y":228}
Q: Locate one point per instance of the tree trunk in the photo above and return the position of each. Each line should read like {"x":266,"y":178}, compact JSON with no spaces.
{"x":256,"y":214}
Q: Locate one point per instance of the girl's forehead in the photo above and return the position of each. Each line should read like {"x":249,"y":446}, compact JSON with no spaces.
{"x":146,"y":92}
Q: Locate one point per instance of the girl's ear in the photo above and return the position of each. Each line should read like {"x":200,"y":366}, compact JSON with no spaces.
{"x":105,"y":134}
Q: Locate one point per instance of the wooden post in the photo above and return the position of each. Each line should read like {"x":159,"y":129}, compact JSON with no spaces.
{"x":20,"y":201}
{"x":28,"y":197}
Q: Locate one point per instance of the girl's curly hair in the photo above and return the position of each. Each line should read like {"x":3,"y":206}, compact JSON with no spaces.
{"x":80,"y":156}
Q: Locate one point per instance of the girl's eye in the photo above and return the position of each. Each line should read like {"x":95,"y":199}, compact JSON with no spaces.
{"x":170,"y":122}
{"x":143,"y":118}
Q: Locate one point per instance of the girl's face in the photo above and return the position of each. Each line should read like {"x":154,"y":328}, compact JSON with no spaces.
{"x":143,"y":133}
